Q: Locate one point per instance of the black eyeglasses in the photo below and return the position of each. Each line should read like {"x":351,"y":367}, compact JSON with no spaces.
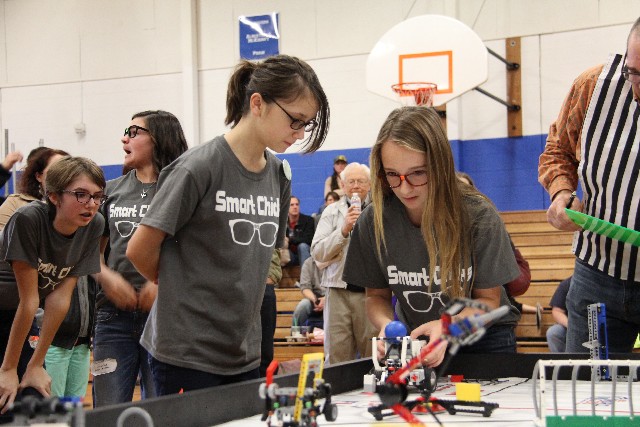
{"x":632,"y":76}
{"x":84,"y":197}
{"x":132,"y":131}
{"x":418,"y":179}
{"x":297,"y":124}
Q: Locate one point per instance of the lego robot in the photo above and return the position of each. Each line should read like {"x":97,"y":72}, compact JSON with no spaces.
{"x":298,"y":407}
{"x":393,"y":391}
{"x":399,"y":348}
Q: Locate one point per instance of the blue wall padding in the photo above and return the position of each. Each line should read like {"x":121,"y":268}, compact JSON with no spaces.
{"x":505,"y":169}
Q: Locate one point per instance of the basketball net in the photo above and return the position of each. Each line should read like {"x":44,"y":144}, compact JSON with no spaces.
{"x":415,"y":93}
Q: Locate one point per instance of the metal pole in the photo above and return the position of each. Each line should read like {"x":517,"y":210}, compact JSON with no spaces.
{"x":510,"y":65}
{"x":510,"y":107}
{"x":13,"y":172}
{"x":6,"y":151}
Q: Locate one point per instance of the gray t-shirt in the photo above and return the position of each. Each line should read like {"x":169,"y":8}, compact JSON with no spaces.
{"x":29,"y":236}
{"x":127,"y":203}
{"x":222,"y":222}
{"x":405,"y":265}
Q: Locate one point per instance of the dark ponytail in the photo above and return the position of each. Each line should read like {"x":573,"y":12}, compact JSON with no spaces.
{"x":237,"y":97}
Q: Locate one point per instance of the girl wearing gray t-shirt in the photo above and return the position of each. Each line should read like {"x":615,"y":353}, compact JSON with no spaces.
{"x":43,"y":250}
{"x":425,"y":238}
{"x":152,"y":140}
{"x":209,"y":234}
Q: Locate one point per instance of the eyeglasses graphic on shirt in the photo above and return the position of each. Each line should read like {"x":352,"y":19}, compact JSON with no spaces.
{"x":418,"y":300}
{"x":243,"y":230}
{"x":48,"y":282}
{"x":126,"y":228}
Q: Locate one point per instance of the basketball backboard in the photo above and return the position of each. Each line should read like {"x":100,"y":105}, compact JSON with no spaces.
{"x":428,"y":48}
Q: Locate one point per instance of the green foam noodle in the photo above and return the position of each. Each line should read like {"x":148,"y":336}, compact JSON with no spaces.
{"x":604,"y":228}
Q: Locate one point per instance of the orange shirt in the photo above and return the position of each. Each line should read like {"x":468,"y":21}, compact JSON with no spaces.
{"x":558,"y":164}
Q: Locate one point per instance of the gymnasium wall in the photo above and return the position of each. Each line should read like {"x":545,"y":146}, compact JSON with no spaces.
{"x":95,"y":63}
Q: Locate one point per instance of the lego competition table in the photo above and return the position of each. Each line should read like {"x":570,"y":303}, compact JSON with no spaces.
{"x":503,"y":379}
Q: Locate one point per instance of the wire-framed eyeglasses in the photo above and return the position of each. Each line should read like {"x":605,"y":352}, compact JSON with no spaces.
{"x":84,"y":197}
{"x":296,"y":124}
{"x":415,"y":179}
{"x":629,"y":75}
{"x":352,"y":182}
{"x":132,"y":131}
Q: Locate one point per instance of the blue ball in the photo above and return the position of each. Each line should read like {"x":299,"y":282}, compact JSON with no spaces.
{"x":395,"y":329}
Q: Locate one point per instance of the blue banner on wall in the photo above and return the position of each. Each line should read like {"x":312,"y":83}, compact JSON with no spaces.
{"x":259,"y":36}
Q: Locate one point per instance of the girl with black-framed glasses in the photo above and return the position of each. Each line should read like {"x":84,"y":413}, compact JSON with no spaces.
{"x":153,"y":139}
{"x":44,"y":248}
{"x":208,"y":236}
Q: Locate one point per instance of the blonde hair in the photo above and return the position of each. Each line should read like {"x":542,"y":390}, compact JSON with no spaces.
{"x":445,"y":224}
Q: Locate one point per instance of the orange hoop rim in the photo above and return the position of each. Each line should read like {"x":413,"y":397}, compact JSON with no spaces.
{"x":422,"y":92}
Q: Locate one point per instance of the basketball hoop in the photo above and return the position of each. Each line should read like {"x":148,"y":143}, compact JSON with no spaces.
{"x":415,"y":93}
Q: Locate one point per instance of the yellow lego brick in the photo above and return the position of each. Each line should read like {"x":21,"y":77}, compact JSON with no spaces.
{"x":469,"y":392}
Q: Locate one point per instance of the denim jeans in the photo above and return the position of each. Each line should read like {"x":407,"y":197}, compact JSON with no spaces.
{"x":557,"y":338}
{"x":622,"y":305}
{"x":117,"y":337}
{"x":303,"y":311}
{"x":300,"y":255}
{"x":497,"y":339}
{"x":170,"y":379}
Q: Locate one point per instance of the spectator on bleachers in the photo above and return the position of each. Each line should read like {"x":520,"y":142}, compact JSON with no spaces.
{"x":331,"y":197}
{"x":427,"y":238}
{"x":334,"y":182}
{"x":557,"y":333}
{"x":310,"y":308}
{"x":348,"y":331}
{"x":300,"y":229}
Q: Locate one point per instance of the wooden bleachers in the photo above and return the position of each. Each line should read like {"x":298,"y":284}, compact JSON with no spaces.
{"x":290,"y":275}
{"x":287,"y":299}
{"x":548,"y":252}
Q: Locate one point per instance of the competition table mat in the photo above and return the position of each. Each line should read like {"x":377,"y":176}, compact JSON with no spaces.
{"x":514,"y":396}
{"x":505,"y":379}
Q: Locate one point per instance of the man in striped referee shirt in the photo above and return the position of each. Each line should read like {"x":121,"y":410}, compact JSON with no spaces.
{"x":595,"y":142}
